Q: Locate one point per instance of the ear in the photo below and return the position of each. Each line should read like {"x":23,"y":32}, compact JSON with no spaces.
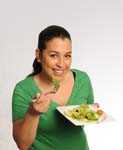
{"x":38,"y":55}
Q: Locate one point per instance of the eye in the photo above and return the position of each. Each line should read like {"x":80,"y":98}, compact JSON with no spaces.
{"x":68,"y":56}
{"x":53,"y":55}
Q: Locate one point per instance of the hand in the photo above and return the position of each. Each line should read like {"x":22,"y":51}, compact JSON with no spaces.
{"x":41,"y":102}
{"x":96,"y":106}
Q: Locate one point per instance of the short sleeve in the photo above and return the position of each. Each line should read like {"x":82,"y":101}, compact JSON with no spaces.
{"x":20,"y":102}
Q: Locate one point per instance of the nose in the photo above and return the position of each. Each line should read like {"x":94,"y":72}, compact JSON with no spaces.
{"x":60,"y":62}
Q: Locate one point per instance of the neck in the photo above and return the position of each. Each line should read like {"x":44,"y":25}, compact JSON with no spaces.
{"x":45,"y":83}
{"x":44,"y":78}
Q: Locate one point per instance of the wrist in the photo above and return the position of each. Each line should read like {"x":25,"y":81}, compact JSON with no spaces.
{"x":33,"y":112}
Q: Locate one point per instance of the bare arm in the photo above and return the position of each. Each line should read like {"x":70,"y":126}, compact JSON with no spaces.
{"x":24,"y":131}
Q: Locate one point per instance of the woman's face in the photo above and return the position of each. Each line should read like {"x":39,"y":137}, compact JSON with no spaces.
{"x":56,"y":58}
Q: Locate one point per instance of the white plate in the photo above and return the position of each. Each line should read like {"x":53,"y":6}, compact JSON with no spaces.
{"x":63,"y":109}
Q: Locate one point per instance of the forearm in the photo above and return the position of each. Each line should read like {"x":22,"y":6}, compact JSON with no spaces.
{"x":25,"y":132}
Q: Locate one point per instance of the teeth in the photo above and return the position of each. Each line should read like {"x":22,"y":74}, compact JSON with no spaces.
{"x":58,"y":71}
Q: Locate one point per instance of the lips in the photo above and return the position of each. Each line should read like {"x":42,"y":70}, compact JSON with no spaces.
{"x":58,"y":71}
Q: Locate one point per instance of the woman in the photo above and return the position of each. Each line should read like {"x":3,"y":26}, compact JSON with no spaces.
{"x":36,"y":123}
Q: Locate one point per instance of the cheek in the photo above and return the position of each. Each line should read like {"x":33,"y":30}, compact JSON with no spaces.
{"x":67,"y":64}
{"x":49,"y":63}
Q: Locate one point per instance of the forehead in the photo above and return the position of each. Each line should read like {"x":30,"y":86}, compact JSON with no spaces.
{"x":59,"y":44}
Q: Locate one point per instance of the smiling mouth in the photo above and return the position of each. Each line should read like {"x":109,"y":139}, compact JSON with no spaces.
{"x":58,"y":72}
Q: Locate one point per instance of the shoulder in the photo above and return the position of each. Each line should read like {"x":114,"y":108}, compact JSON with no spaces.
{"x":81,"y":75}
{"x":24,"y":84}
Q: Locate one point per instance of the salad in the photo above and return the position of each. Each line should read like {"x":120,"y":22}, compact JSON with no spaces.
{"x":85,"y":112}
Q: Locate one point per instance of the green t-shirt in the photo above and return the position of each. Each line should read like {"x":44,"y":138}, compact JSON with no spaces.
{"x":54,"y":131}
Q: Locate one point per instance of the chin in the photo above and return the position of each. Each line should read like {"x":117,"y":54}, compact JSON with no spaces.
{"x":58,"y":77}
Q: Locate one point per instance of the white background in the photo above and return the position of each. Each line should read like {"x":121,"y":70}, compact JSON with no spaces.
{"x":96,"y":28}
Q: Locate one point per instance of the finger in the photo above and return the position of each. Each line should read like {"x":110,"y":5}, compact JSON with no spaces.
{"x":44,"y":101}
{"x":49,"y":92}
{"x":46,"y":96}
{"x":43,"y":97}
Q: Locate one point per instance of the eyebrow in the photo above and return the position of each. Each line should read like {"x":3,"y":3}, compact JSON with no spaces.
{"x":52,"y":51}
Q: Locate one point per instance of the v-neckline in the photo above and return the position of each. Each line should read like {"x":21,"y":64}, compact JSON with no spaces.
{"x":72,"y":91}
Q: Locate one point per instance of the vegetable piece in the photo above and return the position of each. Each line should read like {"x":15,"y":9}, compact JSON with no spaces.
{"x":92,"y":115}
{"x":100,"y":112}
{"x":56,"y":85}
